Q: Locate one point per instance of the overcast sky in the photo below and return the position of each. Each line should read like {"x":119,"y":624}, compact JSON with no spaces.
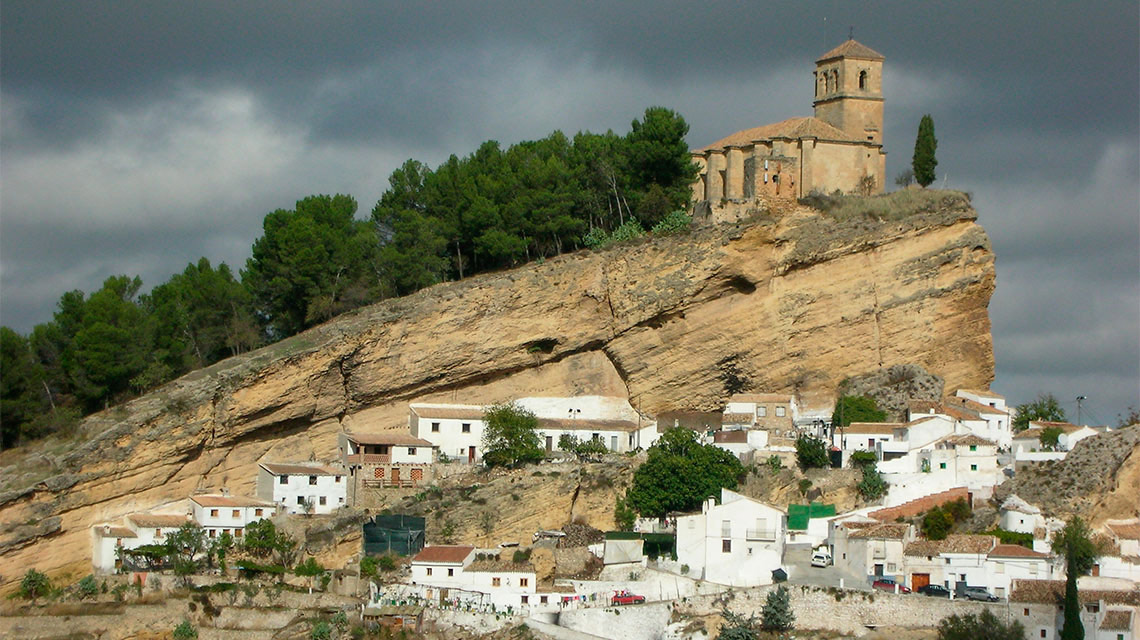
{"x":136,"y":137}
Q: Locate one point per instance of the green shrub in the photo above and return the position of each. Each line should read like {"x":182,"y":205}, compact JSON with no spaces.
{"x":185,"y":631}
{"x":368,"y":566}
{"x":775,"y":463}
{"x":87,"y":587}
{"x":321,"y":631}
{"x":872,"y":486}
{"x":33,"y":585}
{"x":863,"y":458}
{"x":673,"y":222}
{"x":811,"y":452}
{"x":387,"y":563}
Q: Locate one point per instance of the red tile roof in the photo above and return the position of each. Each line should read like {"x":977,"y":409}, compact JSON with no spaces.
{"x":283,"y":469}
{"x":1053,"y":592}
{"x":388,"y":437}
{"x":738,"y":418}
{"x":792,"y":128}
{"x":586,"y":424}
{"x":1015,"y":551}
{"x":1126,"y":530}
{"x":852,"y":49}
{"x":760,"y":397}
{"x":956,"y":543}
{"x":1117,"y":620}
{"x":444,"y":554}
{"x":870,"y":428}
{"x":157,"y":520}
{"x":968,"y":440}
{"x":975,"y":406}
{"x":110,"y":531}
{"x":892,"y":531}
{"x":920,"y":505}
{"x":738,"y":436}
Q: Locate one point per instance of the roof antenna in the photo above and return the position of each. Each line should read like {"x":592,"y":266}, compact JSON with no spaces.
{"x":851,"y":32}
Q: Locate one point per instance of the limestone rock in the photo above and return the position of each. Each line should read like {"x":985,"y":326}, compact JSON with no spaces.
{"x":796,"y":303}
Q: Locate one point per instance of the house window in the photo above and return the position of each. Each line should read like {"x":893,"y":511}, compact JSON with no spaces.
{"x":726,"y":546}
{"x":761,"y":412}
{"x":973,"y":447}
{"x":237,"y":532}
{"x":1025,"y":611}
{"x":1043,"y":634}
{"x":283,"y":480}
{"x":726,"y":528}
{"x":213,"y":533}
{"x":312,"y":481}
{"x":323,"y":501}
{"x":429,"y":571}
{"x":1092,"y":607}
{"x":466,"y":427}
{"x":496,"y":582}
{"x":891,"y":567}
{"x":523,"y":582}
{"x":780,"y":412}
{"x":236,"y":513}
{"x":337,"y":480}
{"x":411,"y":451}
{"x":526,"y":599}
{"x":225,"y":531}
{"x":257,"y":512}
{"x":973,"y":467}
{"x":300,"y":500}
{"x":941,"y":465}
{"x":158,"y":533}
{"x":435,"y":427}
{"x":340,"y":500}
{"x":213,"y":513}
{"x":542,"y":599}
{"x":451,"y":573}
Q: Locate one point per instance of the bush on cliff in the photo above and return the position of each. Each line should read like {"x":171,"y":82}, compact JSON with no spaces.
{"x":680,"y":473}
{"x":510,"y":438}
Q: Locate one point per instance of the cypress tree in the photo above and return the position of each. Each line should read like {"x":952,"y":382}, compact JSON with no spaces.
{"x":1072,"y":629}
{"x":925,"y":144}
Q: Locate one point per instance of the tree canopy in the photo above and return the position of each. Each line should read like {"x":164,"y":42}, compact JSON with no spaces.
{"x":680,"y":473}
{"x":925,"y":145}
{"x":510,"y":436}
{"x":975,"y":626}
{"x":850,"y":409}
{"x":1044,"y":408}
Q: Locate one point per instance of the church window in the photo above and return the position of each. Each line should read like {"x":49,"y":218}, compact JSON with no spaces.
{"x":835,"y":80}
{"x":862,"y":79}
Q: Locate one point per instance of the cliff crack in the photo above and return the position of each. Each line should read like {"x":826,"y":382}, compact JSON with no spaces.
{"x":574,"y":501}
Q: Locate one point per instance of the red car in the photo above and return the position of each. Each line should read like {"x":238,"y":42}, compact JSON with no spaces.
{"x":888,"y":584}
{"x":626,"y":598}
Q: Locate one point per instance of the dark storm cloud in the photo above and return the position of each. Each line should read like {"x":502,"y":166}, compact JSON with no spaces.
{"x":137,"y":136}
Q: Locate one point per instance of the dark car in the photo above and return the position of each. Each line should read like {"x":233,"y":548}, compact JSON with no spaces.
{"x":978,"y":593}
{"x":934,"y":591}
{"x":888,"y":584}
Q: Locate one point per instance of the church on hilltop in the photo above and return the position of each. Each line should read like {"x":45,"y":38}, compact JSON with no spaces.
{"x":839,"y":148}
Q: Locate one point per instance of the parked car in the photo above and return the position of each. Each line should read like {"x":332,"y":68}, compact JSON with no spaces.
{"x":888,"y":584}
{"x":934,"y":591}
{"x":978,"y":593}
{"x":626,"y":597}
{"x":821,"y":557}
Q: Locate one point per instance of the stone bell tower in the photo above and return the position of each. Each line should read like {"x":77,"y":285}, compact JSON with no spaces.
{"x":849,"y":91}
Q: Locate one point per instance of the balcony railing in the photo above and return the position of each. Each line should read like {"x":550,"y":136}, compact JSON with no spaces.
{"x":760,"y":534}
{"x":369,"y":458}
{"x":402,"y":483}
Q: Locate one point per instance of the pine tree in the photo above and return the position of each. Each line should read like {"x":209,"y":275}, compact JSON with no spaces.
{"x":925,"y":144}
{"x":777,"y":612}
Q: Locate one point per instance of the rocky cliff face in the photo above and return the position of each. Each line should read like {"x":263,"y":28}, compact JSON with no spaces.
{"x":788,"y":303}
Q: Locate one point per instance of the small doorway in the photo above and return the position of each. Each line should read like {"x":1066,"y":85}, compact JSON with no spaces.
{"x":396,"y":476}
{"x":919,"y":580}
{"x":443,"y":596}
{"x":878,"y":571}
{"x":549,"y":443}
{"x":470,"y":455}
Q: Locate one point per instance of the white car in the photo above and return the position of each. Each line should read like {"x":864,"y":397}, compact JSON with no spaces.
{"x":821,"y":557}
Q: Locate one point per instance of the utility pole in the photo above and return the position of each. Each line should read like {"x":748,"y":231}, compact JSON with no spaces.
{"x":1080,"y":399}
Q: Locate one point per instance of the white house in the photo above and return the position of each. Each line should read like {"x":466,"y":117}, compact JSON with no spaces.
{"x":1071,"y":434}
{"x":738,"y":542}
{"x":293,"y":486}
{"x":1020,"y":516}
{"x":1008,"y":562}
{"x":612,"y":420}
{"x":503,"y":583}
{"x":1125,"y":535}
{"x":956,"y":562}
{"x":741,"y":442}
{"x":106,"y":540}
{"x":872,"y":548}
{"x":152,"y":528}
{"x":997,"y":421}
{"x":219,"y":513}
{"x":864,"y":436}
{"x":1106,"y":614}
{"x":455,"y":429}
{"x":442,"y":565}
{"x":986,"y":398}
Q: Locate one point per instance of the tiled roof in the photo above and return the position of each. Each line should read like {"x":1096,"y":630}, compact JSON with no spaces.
{"x":1029,"y":434}
{"x":870,"y":427}
{"x":1015,"y":551}
{"x":891,"y":531}
{"x":585,"y":424}
{"x":852,"y":49}
{"x":158,"y":520}
{"x":984,"y":394}
{"x":920,"y":505}
{"x":1116,"y":620}
{"x":1066,"y":427}
{"x":448,"y":411}
{"x":976,"y":406}
{"x":968,"y":440}
{"x":279,"y":469}
{"x":793,"y":128}
{"x":956,"y":543}
{"x":499,"y":566}
{"x":958,"y":413}
{"x":114,"y":531}
{"x":737,"y":418}
{"x":1053,"y":592}
{"x":1126,"y":530}
{"x":737,"y":436}
{"x":388,"y":437}
{"x":444,"y":554}
{"x":760,"y":397}
{"x":211,"y":500}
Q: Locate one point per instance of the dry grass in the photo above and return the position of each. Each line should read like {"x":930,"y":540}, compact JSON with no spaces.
{"x":886,"y":207}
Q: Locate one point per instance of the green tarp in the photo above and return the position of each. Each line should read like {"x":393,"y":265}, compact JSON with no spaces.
{"x":403,"y":535}
{"x":800,"y":514}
